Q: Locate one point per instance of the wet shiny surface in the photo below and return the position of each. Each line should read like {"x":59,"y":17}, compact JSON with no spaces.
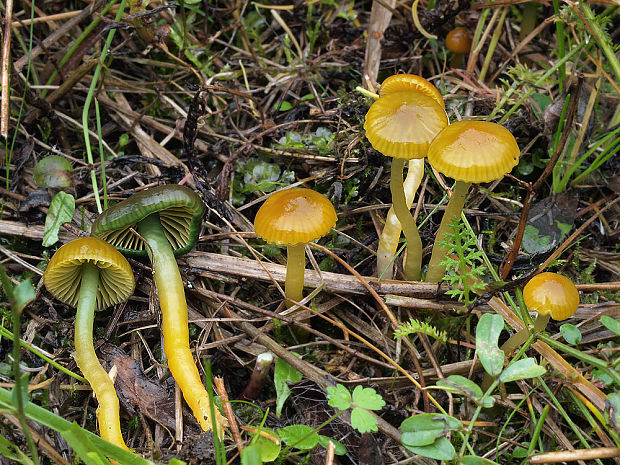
{"x":294,"y":216}
{"x":410,"y":82}
{"x":403,"y":124}
{"x":551,"y":293}
{"x":474,"y":151}
{"x":458,"y":40}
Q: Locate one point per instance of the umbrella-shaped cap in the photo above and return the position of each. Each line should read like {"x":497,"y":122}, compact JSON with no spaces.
{"x":551,"y":293}
{"x":403,"y":124}
{"x":180,"y":212}
{"x":294,"y":216}
{"x":410,"y":82}
{"x":474,"y":151}
{"x":63,"y":275}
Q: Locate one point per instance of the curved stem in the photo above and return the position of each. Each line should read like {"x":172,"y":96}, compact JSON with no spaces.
{"x":413,"y":264}
{"x":295,"y":266}
{"x":388,"y":242}
{"x":453,"y":210}
{"x":175,"y":320}
{"x":97,"y":377}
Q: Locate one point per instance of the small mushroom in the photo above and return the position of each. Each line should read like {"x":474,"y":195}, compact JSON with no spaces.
{"x":458,"y":41}
{"x":294,"y":217}
{"x":468,"y":151}
{"x":401,"y":124}
{"x":551,"y":295}
{"x":90,"y":274}
{"x":168,"y":219}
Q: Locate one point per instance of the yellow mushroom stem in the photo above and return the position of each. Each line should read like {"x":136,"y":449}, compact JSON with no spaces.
{"x":413,"y":264}
{"x":295,"y":268}
{"x":454,"y":208}
{"x":388,"y":242}
{"x":175,"y":322}
{"x":97,"y":377}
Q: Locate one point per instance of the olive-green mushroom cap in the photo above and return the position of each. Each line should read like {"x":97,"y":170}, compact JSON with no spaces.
{"x":180,"y":212}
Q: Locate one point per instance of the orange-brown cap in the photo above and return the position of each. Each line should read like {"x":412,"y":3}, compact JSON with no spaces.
{"x":458,"y":40}
{"x":294,"y":216}
{"x":403,"y":124}
{"x":406,"y":82}
{"x":63,"y":275}
{"x":474,"y":151}
{"x":551,"y":293}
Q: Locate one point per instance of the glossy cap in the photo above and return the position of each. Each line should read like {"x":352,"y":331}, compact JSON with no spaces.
{"x":63,"y":275}
{"x":410,"y":82}
{"x":180,"y":213}
{"x":294,"y":216}
{"x":403,"y":124}
{"x":458,"y":40}
{"x":551,"y":293}
{"x":474,"y":151}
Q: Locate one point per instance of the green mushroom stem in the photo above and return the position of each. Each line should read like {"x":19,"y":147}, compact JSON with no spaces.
{"x":454,"y":208}
{"x":295,"y":267}
{"x":97,"y":377}
{"x":175,"y":319}
{"x":388,"y":242}
{"x":413,"y":264}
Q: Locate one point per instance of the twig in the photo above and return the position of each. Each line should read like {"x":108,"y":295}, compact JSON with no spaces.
{"x":578,"y":454}
{"x":4,"y":79}
{"x":228,"y":411}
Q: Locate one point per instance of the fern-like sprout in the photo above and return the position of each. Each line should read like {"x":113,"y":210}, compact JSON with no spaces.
{"x":463,"y":263}
{"x":416,"y":326}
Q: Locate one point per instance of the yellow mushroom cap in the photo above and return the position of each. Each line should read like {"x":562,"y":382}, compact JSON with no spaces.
{"x":294,"y":216}
{"x":63,"y":275}
{"x":403,"y":124}
{"x":410,"y":82}
{"x":551,"y":293}
{"x":474,"y":151}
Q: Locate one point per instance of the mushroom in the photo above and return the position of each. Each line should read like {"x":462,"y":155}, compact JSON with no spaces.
{"x":458,"y":41}
{"x":401,"y":124}
{"x":294,"y":217}
{"x":89,"y":274}
{"x":468,"y":151}
{"x":168,"y":219}
{"x":551,"y":295}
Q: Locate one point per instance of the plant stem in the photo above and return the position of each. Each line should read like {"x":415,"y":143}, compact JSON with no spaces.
{"x":493,"y":44}
{"x":295,"y":269}
{"x":97,"y":377}
{"x":413,"y":264}
{"x":175,"y":320}
{"x":388,"y":242}
{"x":436,"y":271}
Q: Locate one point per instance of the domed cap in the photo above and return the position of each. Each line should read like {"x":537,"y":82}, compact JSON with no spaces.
{"x":551,"y":293}
{"x":458,"y":40}
{"x":403,"y":124}
{"x":180,"y":213}
{"x":410,"y":82}
{"x":294,"y":216}
{"x":63,"y":275}
{"x":474,"y":151}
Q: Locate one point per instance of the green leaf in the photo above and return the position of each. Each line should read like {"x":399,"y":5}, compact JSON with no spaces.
{"x":284,"y":106}
{"x":83,"y":447}
{"x":269,"y":450}
{"x":24,"y":390}
{"x":339,"y":448}
{"x":458,"y":384}
{"x":612,"y":409}
{"x":299,"y":436}
{"x":487,"y":335}
{"x":61,"y":211}
{"x":570,"y":333}
{"x":425,"y":429}
{"x":439,"y":450}
{"x":522,"y":369}
{"x":12,"y":452}
{"x":611,"y":324}
{"x":282,"y":375}
{"x":475,"y":460}
{"x":53,"y":171}
{"x":339,"y":397}
{"x":367,"y":398}
{"x":250,"y":455}
{"x":23,"y":294}
{"x":363,"y":421}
